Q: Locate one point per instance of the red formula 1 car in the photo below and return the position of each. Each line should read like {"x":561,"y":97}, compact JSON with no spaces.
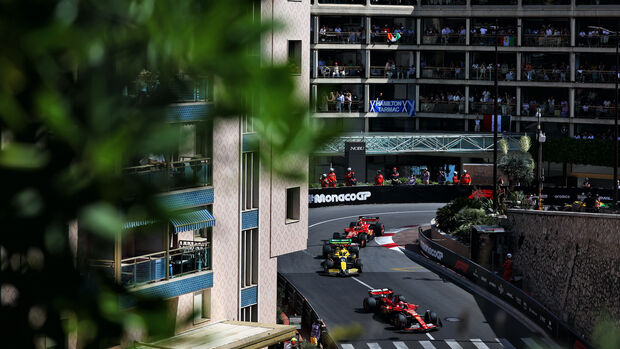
{"x":365,"y":229}
{"x":401,"y":314}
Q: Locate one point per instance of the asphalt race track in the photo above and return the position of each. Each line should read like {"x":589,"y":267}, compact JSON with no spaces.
{"x":470,"y":320}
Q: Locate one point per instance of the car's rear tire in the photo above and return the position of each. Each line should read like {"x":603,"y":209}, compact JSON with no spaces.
{"x":352,"y":224}
{"x":329,"y":263}
{"x":370,"y":304}
{"x":377,"y":229}
{"x":363,"y":239}
{"x":327,"y":249}
{"x":355,"y":249}
{"x":336,"y":235}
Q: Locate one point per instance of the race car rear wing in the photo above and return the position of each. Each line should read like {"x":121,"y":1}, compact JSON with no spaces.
{"x":368,"y":218}
{"x":380,"y":291}
{"x":340,"y":241}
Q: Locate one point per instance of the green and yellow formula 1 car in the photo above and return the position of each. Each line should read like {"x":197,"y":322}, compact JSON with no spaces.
{"x":342,"y":258}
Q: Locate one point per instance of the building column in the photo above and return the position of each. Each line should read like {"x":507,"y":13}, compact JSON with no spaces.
{"x":367,"y":27}
{"x":572,"y":31}
{"x":315,"y":64}
{"x":367,"y":2}
{"x":366,"y":98}
{"x":573,"y":67}
{"x":417,"y":65}
{"x":367,"y":64}
{"x":519,"y":101}
{"x":118,"y":250}
{"x":418,"y":24}
{"x":467,"y":63}
{"x":315,"y":97}
{"x":467,"y":28}
{"x":466,"y":99}
{"x":315,"y":23}
{"x":417,"y":124}
{"x":571,"y":102}
{"x":571,"y":129}
{"x":412,"y":60}
{"x":366,"y":125}
{"x":519,"y":31}
{"x":466,"y":121}
{"x":518,"y":126}
{"x":519,"y":64}
{"x":417,"y":97}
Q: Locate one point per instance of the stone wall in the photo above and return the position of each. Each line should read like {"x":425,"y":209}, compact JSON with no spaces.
{"x":570,"y":263}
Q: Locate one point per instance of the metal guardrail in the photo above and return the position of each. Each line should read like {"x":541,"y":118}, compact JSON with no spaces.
{"x":175,"y":175}
{"x":417,"y":143}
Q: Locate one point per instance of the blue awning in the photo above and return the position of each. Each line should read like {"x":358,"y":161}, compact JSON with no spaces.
{"x":192,"y":220}
{"x":135,"y":224}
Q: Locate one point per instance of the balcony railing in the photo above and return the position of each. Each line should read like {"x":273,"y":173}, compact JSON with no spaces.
{"x":545,"y":74}
{"x":343,"y":2}
{"x":355,"y":106}
{"x":444,"y":2}
{"x":340,"y":71}
{"x":486,"y":72}
{"x":382,"y":38}
{"x":443,"y":39}
{"x":557,"y":109}
{"x":489,"y":39}
{"x":546,"y":40}
{"x":395,"y":72}
{"x":596,"y":40}
{"x":173,"y":176}
{"x":442,"y":107}
{"x":589,"y":110}
{"x":190,"y":257}
{"x":487,"y":108}
{"x":443,"y":73}
{"x":595,"y":76}
{"x":394,"y":2}
{"x":343,"y":37}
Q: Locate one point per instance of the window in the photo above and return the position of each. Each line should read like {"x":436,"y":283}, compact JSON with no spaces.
{"x":292,"y":205}
{"x":247,"y":124}
{"x":294,"y":56}
{"x":249,"y":258}
{"x":249,"y":313}
{"x":249,"y":181}
{"x":202,"y":306}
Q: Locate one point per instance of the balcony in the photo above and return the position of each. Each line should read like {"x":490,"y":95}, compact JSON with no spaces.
{"x":190,"y":257}
{"x":444,"y":2}
{"x":189,"y":173}
{"x":446,"y":73}
{"x":341,"y":37}
{"x":438,"y":106}
{"x":392,"y":72}
{"x":543,"y":40}
{"x":431,"y":38}
{"x":336,"y":71}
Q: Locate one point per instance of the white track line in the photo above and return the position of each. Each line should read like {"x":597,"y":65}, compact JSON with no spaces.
{"x":453,"y":344}
{"x":373,"y":345}
{"x":478,"y":343}
{"x":367,"y":214}
{"x":427,"y":345}
{"x":429,"y":336}
{"x":347,"y":346}
{"x":400,"y":345}
{"x":363,"y":283}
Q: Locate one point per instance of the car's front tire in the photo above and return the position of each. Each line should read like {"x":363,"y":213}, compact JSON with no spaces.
{"x":370,"y":304}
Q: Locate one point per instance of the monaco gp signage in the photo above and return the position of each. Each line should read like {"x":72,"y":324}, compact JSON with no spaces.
{"x":393,"y":107}
{"x":336,"y":198}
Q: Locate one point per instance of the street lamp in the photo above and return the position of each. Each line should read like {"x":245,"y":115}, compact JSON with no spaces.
{"x":495,"y":125}
{"x":615,"y":178}
{"x":540,"y":136}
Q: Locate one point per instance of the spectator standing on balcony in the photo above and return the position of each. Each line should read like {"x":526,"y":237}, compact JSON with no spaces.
{"x":465,"y":178}
{"x":441,"y":179}
{"x":324,"y":181}
{"x":394,"y":176}
{"x":348,"y":100}
{"x":426,"y":176}
{"x":339,"y":101}
{"x":477,"y":124}
{"x":508,"y":268}
{"x":153,"y":159}
{"x":411,"y":72}
{"x":331,"y":178}
{"x":455,"y":178}
{"x":379,"y":178}
{"x":411,"y":179}
{"x":586,"y":183}
{"x":349,"y":178}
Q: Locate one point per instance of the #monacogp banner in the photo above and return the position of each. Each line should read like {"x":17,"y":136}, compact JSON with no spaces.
{"x":401,"y":106}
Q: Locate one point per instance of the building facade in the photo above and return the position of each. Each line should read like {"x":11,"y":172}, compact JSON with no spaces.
{"x":554,"y":56}
{"x":216,"y":258}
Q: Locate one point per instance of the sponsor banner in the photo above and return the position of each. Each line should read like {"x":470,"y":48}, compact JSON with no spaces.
{"x":504,"y":290}
{"x":399,"y":106}
{"x":362,"y":194}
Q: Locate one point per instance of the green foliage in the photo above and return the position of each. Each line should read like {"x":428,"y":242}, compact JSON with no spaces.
{"x":466,"y":218}
{"x":525,"y":143}
{"x":518,"y":166}
{"x":446,"y":215}
{"x":606,"y":334}
{"x":503,"y":146}
{"x":596,"y":152}
{"x":67,"y":129}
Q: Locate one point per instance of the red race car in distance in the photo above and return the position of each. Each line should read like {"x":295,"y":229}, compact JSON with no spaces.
{"x":398,"y":312}
{"x":365,"y":229}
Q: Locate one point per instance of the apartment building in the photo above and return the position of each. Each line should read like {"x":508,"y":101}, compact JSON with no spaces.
{"x":420,"y":66}
{"x":215,"y":261}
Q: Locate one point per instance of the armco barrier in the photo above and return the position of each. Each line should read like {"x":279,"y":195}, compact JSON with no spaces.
{"x":564,"y":335}
{"x":387,"y":194}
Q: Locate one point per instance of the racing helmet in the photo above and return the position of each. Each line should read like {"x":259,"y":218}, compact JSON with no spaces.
{"x":348,"y":169}
{"x":324,"y":175}
{"x":509,"y":255}
{"x":331,"y":169}
{"x":464,"y":171}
